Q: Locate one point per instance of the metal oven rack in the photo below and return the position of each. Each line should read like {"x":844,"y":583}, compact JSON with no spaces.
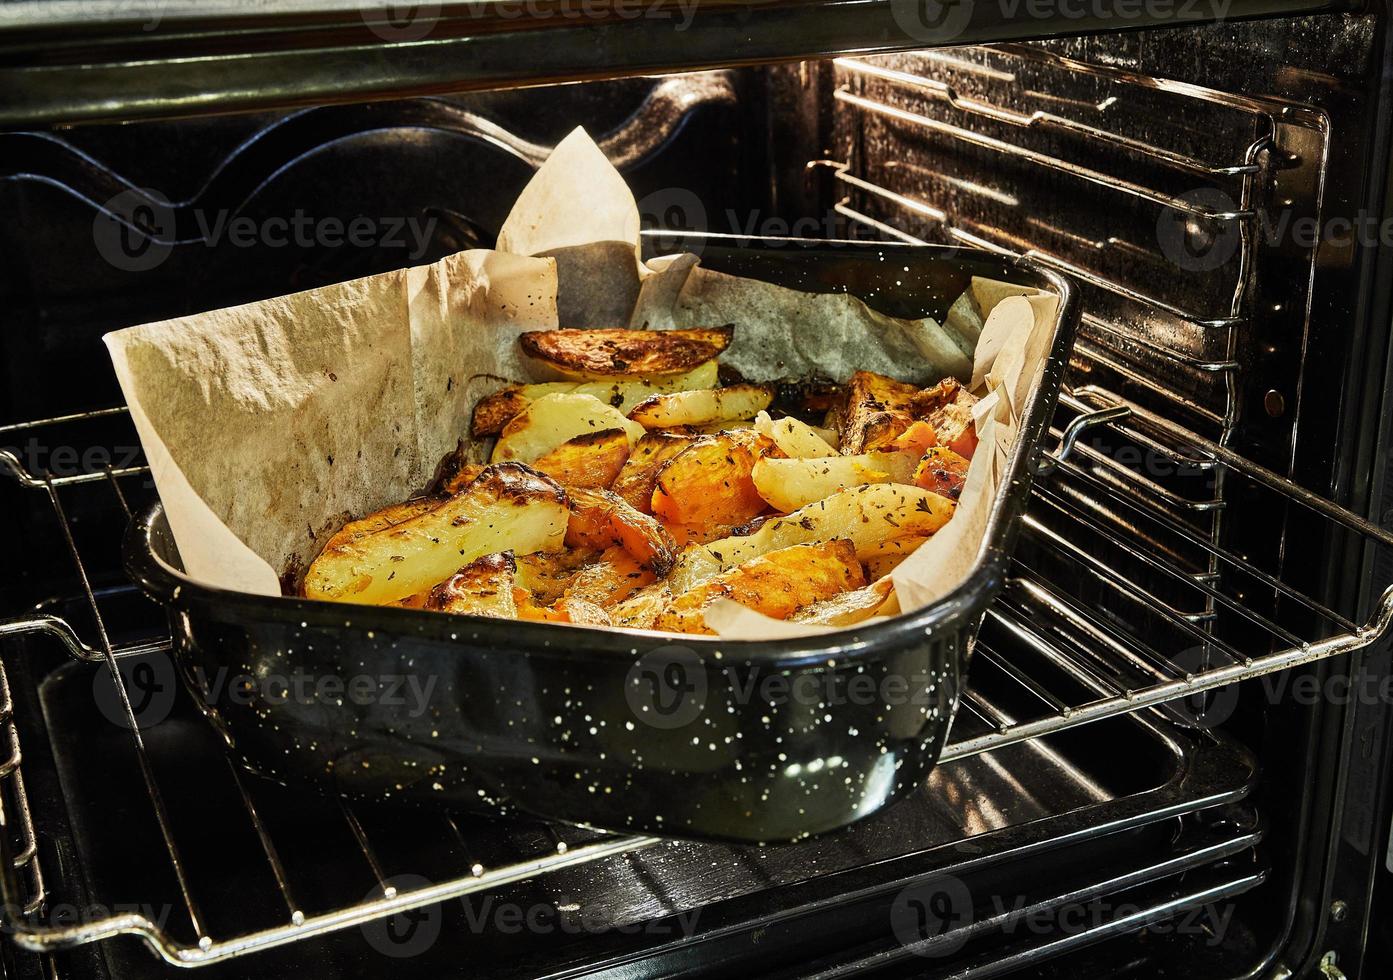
{"x":1105,"y":671}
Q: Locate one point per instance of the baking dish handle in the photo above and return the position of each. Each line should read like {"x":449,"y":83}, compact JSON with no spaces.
{"x":1113,"y":413}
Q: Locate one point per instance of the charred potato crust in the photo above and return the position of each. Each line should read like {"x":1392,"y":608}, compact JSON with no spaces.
{"x":626,"y":352}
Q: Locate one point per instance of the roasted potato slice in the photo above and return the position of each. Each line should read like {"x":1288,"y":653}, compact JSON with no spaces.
{"x":795,"y":439}
{"x":703,"y":407}
{"x":775,"y":584}
{"x":379,"y":520}
{"x":598,"y":354}
{"x":639,"y":476}
{"x":484,"y":587}
{"x":602,"y":519}
{"x":867,"y":516}
{"x":553,"y":420}
{"x":496,"y":410}
{"x":611,"y":579}
{"x":787,"y":484}
{"x":590,"y":460}
{"x":508,"y":507}
{"x":708,"y":483}
{"x":847,"y":609}
{"x":948,"y":408}
{"x":942,"y":471}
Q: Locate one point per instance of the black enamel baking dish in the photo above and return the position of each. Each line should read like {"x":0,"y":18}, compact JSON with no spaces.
{"x":630,"y":731}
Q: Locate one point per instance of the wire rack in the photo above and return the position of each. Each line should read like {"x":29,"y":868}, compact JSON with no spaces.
{"x":1062,"y":661}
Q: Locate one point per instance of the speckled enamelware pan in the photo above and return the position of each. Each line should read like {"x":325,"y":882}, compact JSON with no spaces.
{"x":629,"y":731}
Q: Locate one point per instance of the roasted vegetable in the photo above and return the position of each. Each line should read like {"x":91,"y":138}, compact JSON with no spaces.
{"x":641,"y":609}
{"x":948,"y":408}
{"x":484,"y":587}
{"x":787,"y":484}
{"x":703,"y":407}
{"x":942,"y":471}
{"x":795,"y":439}
{"x":590,"y":460}
{"x":614,"y":577}
{"x":639,"y":476}
{"x":496,"y":410}
{"x":877,"y":408}
{"x":849,"y":608}
{"x":866,"y":516}
{"x":553,"y":420}
{"x":379,"y":520}
{"x":508,"y":507}
{"x":774,"y":584}
{"x":602,"y":519}
{"x":591,"y":354}
{"x":708,"y":483}
{"x":547,"y":574}
{"x":886,"y":557}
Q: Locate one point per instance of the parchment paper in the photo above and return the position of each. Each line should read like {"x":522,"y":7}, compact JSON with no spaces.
{"x":268,"y":425}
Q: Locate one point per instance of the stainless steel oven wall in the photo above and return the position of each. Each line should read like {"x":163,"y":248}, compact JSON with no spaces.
{"x":1218,"y":192}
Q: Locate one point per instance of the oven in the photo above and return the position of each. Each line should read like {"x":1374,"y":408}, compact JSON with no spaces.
{"x":1171,"y":754}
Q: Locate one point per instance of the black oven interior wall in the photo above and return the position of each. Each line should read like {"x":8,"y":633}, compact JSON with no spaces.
{"x":1172,"y":171}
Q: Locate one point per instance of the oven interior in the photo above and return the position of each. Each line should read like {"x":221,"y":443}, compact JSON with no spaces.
{"x":1134,"y":786}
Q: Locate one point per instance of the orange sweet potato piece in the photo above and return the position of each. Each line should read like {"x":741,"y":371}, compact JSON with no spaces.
{"x":639,"y":474}
{"x":614,"y":577}
{"x":708,"y":483}
{"x":601,"y":519}
{"x":943,"y":471}
{"x":590,"y":460}
{"x":775,"y":584}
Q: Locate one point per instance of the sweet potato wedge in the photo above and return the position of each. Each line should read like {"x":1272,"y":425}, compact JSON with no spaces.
{"x":508,"y":507}
{"x":948,"y":408}
{"x":703,"y":407}
{"x":787,"y":484}
{"x":639,"y":476}
{"x":601,"y":519}
{"x":708,"y":483}
{"x":884,"y":559}
{"x":547,"y":574}
{"x":590,"y":460}
{"x":942,"y":471}
{"x":591,"y":354}
{"x":641,"y":609}
{"x":847,"y":609}
{"x":614,"y":577}
{"x":774,"y":584}
{"x":484,"y":587}
{"x":553,"y":420}
{"x":496,"y":410}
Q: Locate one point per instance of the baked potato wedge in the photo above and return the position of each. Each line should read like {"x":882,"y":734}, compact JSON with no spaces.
{"x":640,"y":610}
{"x":867,"y":516}
{"x":639,"y":475}
{"x":942,"y":471}
{"x":795,"y":439}
{"x":508,"y":507}
{"x":382,"y":519}
{"x":601,"y":519}
{"x":590,"y":460}
{"x":708,"y":483}
{"x":703,"y":407}
{"x":546,"y":575}
{"x":774,"y":584}
{"x":597,"y":354}
{"x":484,"y":587}
{"x":498,"y":409}
{"x":787,"y":484}
{"x":553,"y":420}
